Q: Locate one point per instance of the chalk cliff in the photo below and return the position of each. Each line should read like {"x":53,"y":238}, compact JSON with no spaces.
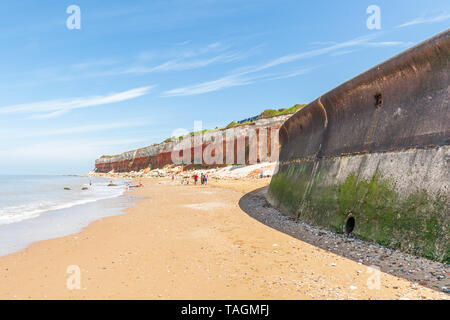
{"x":159,"y":155}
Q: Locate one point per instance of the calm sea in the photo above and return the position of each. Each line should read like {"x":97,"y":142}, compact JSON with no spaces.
{"x":34,"y":208}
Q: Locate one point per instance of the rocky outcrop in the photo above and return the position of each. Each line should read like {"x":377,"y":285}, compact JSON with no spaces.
{"x":159,"y":155}
{"x":371,"y":157}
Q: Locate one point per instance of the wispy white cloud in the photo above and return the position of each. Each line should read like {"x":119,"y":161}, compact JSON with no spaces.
{"x":183,"y":43}
{"x":55,"y":108}
{"x":189,"y":59}
{"x":364,"y":41}
{"x":291,"y":74}
{"x":251,"y":74}
{"x":322,"y":43}
{"x":234,"y":80}
{"x":183,"y":53}
{"x":208,"y":86}
{"x":381,"y":44}
{"x":73,"y":130}
{"x":425,"y":20}
{"x":342,"y":52}
{"x":183,"y":64}
{"x":156,"y":61}
{"x":59,"y":150}
{"x":93,"y":64}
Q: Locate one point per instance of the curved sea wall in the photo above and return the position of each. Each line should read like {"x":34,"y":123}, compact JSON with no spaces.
{"x":372,"y":156}
{"x":159,"y":155}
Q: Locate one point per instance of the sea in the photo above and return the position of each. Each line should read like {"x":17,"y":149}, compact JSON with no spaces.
{"x":35,"y":208}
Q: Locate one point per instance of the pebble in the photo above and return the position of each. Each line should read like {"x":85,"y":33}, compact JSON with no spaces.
{"x":397,"y":263}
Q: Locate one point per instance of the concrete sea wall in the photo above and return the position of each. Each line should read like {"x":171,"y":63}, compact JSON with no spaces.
{"x":372,"y":157}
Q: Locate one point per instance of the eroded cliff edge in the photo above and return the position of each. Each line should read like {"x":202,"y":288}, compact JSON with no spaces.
{"x":265,"y":131}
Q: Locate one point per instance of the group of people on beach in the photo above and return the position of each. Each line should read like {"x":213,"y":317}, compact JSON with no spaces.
{"x":203,"y":179}
{"x":128,"y":186}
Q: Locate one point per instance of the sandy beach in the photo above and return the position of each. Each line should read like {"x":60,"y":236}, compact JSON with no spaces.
{"x":192,"y":242}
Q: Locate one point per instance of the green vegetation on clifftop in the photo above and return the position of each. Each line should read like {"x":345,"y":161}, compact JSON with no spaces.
{"x":266,"y":114}
{"x":270,"y":113}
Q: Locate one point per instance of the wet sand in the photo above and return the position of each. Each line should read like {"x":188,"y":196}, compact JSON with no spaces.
{"x":192,"y":242}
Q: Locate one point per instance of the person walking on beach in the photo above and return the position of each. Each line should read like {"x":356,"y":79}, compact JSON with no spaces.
{"x":195,"y":179}
{"x":206,"y":179}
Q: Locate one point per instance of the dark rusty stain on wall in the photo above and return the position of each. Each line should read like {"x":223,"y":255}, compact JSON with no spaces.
{"x":401,"y":103}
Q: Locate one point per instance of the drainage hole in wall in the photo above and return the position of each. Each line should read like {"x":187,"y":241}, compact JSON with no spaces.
{"x":349,"y":225}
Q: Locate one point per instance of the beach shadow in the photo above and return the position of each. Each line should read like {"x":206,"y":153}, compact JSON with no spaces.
{"x":418,"y":270}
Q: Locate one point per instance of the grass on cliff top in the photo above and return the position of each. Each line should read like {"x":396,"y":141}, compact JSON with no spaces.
{"x":266,"y":114}
{"x":234,"y":124}
{"x":270,"y":113}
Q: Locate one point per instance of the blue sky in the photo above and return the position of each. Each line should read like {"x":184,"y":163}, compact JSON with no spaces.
{"x":138,"y":70}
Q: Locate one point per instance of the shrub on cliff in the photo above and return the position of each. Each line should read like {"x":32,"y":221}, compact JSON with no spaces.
{"x":232,"y":124}
{"x":270,"y":113}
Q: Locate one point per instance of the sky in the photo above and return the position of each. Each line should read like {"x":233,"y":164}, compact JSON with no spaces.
{"x":136,"y":71}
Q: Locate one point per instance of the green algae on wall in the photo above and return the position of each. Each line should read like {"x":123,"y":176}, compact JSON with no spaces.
{"x":417,"y":223}
{"x":374,"y":152}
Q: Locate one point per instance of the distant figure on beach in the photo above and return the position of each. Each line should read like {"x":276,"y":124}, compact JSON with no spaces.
{"x":202,"y":179}
{"x":111,"y":184}
{"x":195,"y":179}
{"x":173,"y":177}
{"x":262,"y":173}
{"x":206,"y":179}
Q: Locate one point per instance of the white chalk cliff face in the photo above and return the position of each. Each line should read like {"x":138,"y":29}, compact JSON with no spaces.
{"x":159,"y":155}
